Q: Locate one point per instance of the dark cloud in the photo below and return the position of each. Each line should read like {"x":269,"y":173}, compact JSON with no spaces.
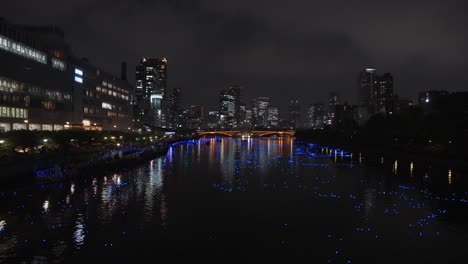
{"x":293,"y":49}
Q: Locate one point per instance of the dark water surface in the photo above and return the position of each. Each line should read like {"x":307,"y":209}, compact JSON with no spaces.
{"x":256,"y":199}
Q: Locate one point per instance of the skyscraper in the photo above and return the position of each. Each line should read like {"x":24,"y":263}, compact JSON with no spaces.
{"x":151,"y":91}
{"x":333,"y":100}
{"x":175,"y":110}
{"x":273,"y":117}
{"x":368,"y":89}
{"x":236,"y":91}
{"x":195,"y":117}
{"x":294,"y":108}
{"x":230,"y":107}
{"x":260,"y":111}
{"x":375,"y":92}
{"x":385,"y":98}
{"x":316,"y":116}
{"x":226,"y":109}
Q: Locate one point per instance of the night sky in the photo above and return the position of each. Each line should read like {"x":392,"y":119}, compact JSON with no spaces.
{"x":283,"y":49}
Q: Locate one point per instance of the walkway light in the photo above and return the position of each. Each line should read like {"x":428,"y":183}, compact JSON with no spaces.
{"x":45,"y":140}
{"x":2,"y":141}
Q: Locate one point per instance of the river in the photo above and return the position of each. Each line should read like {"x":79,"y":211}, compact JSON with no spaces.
{"x":257,"y":199}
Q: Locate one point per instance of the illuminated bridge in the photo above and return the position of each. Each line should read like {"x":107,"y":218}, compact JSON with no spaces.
{"x":253,"y":133}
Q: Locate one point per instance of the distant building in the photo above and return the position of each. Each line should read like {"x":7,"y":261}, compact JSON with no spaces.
{"x":368,"y":89}
{"x":226,"y":109}
{"x":273,"y":117}
{"x":344,"y":114}
{"x":432,"y":100}
{"x":195,"y":117}
{"x":294,"y":109}
{"x":402,"y":104}
{"x":333,"y":100}
{"x":385,"y":97}
{"x":230,"y":107}
{"x":316,"y":116}
{"x":213,"y":120}
{"x":151,"y":92}
{"x":375,"y":93}
{"x":260,"y":111}
{"x":175,"y":111}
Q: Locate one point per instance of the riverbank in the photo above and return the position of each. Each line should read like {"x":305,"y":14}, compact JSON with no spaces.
{"x":39,"y":168}
{"x":430,"y":156}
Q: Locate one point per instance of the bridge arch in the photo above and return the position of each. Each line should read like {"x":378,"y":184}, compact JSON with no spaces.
{"x":271,"y":133}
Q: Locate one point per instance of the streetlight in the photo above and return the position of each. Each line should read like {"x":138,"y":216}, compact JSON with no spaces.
{"x":2,"y":141}
{"x":45,"y":140}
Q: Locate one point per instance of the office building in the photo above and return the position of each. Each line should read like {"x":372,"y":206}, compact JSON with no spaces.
{"x":273,"y":117}
{"x":316,"y":116}
{"x":260,"y":111}
{"x":376,"y":93}
{"x":151,"y":92}
{"x":294,"y":109}
{"x":333,"y":100}
{"x":345,"y":115}
{"x":175,"y":111}
{"x":102,"y":100}
{"x":44,"y":87}
{"x":195,"y":117}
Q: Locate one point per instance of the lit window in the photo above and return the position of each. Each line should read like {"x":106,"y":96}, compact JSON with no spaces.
{"x":78,"y":79}
{"x":106,"y":105}
{"x":78,"y":72}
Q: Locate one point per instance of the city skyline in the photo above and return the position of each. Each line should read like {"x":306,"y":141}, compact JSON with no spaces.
{"x":237,"y":44}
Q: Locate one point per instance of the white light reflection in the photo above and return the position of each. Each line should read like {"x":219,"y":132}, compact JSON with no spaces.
{"x":72,"y":188}
{"x":450,"y":176}
{"x":395,"y":167}
{"x":45,"y":206}
{"x":79,"y":233}
{"x":411,"y":169}
{"x":2,"y":225}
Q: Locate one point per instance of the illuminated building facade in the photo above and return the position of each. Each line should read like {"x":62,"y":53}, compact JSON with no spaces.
{"x":376,"y":92}
{"x":43,"y":87}
{"x":151,"y":92}
{"x":333,"y":100}
{"x":260,"y":111}
{"x":294,"y":108}
{"x":273,"y":117}
{"x":316,"y":116}
{"x":175,"y":113}
{"x":102,"y":99}
{"x":385,"y":100}
{"x":230,"y":108}
{"x":35,"y":90}
{"x":227,"y":109}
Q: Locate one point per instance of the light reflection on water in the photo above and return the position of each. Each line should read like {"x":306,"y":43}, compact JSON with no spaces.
{"x":213,"y":192}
